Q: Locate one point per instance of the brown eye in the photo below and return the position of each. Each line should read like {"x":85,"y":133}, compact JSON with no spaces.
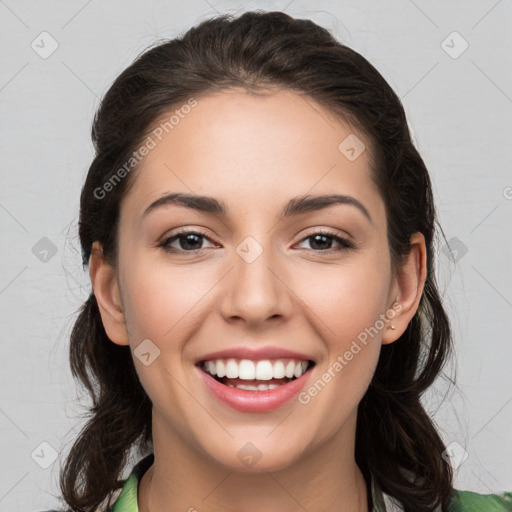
{"x":322,"y":241}
{"x":188,"y":241}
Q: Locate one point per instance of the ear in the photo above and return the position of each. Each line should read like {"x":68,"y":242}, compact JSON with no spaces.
{"x":106,"y":290}
{"x":407,"y":288}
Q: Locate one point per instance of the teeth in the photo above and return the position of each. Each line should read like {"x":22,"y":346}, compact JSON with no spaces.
{"x":218,"y":367}
{"x":231,"y":369}
{"x":300,"y":368}
{"x":290,"y":369}
{"x":264,"y":370}
{"x":259,"y":387}
{"x":246,"y":369}
{"x":279,"y":370}
{"x":211,"y":367}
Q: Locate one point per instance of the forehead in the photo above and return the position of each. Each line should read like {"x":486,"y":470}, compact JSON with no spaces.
{"x":251,"y":150}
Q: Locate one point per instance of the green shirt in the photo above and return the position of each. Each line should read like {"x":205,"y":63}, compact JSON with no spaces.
{"x":461,"y":501}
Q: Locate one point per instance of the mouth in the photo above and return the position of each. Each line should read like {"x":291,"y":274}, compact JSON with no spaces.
{"x":255,"y":375}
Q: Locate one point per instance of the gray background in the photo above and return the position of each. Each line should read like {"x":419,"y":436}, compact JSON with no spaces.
{"x":458,"y":105}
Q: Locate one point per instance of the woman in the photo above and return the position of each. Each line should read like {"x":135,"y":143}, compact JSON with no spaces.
{"x":259,"y":231}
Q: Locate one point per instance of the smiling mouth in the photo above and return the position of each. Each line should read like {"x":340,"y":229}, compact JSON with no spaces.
{"x":255,"y":375}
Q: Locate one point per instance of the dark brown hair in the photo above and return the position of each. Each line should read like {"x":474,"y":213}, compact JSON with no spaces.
{"x":395,"y":437}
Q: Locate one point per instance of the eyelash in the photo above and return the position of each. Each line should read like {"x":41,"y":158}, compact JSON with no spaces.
{"x":344,"y":244}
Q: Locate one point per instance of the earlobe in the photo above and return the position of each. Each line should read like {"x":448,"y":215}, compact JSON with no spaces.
{"x":106,"y":291}
{"x":410,"y":282}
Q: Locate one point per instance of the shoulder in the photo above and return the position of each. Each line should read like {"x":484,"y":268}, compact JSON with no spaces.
{"x":468,"y":501}
{"x":124,"y":498}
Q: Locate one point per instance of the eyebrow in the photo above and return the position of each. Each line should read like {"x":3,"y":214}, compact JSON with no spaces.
{"x":295,"y":206}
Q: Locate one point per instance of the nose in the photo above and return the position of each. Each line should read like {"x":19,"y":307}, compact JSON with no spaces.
{"x":255,"y":292}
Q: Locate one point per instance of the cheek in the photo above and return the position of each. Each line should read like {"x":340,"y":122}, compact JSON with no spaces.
{"x":348,"y":314}
{"x":347,"y":299}
{"x":164,"y":301}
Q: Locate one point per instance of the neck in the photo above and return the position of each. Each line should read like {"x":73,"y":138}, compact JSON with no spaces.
{"x":182,"y":479}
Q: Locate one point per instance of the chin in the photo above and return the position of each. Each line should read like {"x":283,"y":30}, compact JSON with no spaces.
{"x":250,"y":459}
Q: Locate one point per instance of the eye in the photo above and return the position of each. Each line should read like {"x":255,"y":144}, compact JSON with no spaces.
{"x":322,"y":239}
{"x":189,"y":241}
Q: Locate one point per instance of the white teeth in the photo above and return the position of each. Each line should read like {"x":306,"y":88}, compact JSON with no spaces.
{"x":231,"y":369}
{"x":279,"y":370}
{"x":219,"y":368}
{"x":259,"y":387}
{"x":246,"y":369}
{"x":264,"y":370}
{"x":290,"y":369}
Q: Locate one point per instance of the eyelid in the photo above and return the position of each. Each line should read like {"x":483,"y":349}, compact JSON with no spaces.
{"x":328,"y":231}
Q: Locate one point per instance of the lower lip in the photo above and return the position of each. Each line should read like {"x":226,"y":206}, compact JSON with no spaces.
{"x":254,"y":401}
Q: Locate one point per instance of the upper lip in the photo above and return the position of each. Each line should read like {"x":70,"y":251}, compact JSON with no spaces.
{"x":255,"y":354}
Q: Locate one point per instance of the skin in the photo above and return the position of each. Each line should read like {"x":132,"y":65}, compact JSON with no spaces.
{"x":254,"y":153}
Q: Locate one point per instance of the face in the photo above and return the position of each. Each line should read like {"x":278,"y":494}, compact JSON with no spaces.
{"x":261,"y":281}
